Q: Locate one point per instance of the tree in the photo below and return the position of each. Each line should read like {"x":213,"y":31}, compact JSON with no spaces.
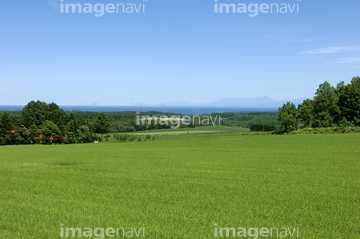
{"x":84,"y":134}
{"x":102,"y":124}
{"x":37,"y":112}
{"x":50,"y":129}
{"x":349,"y":101}
{"x":20,"y":135}
{"x":34,"y":113}
{"x":262,"y":127}
{"x":287,"y":117}
{"x":305,"y":112}
{"x":57,"y":115}
{"x":71,"y":130}
{"x":33,"y":132}
{"x":326,"y":110}
{"x":6,"y":125}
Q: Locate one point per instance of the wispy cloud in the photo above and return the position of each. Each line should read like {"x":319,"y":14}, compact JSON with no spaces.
{"x":331,"y":50}
{"x":346,"y":60}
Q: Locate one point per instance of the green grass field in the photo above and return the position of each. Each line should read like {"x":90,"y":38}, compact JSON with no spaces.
{"x":202,"y":131}
{"x":180,"y":188}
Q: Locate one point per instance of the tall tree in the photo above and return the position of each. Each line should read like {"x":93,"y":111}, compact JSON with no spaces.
{"x":6,"y":125}
{"x":326,"y":110}
{"x":349,"y":100}
{"x":287,"y":117}
{"x":84,"y":134}
{"x":102,"y":124}
{"x":33,"y":132}
{"x":57,"y":115}
{"x":50,"y":129}
{"x":37,"y":112}
{"x":305,"y":112}
{"x":34,"y":113}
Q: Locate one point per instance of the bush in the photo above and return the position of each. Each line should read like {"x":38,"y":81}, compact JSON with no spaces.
{"x":327,"y":130}
{"x":261,"y":127}
{"x":124,"y":137}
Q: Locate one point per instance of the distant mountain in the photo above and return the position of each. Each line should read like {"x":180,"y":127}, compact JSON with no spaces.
{"x":177,"y":103}
{"x":253,"y":102}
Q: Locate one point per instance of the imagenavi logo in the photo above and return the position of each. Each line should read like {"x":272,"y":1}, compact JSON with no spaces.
{"x":253,"y":9}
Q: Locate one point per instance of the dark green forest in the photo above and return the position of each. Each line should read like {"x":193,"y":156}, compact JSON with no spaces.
{"x":331,"y":107}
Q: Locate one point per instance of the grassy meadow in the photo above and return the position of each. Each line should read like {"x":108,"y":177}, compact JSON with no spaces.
{"x":181,"y":188}
{"x":202,"y":131}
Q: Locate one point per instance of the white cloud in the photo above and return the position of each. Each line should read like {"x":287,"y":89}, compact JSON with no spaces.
{"x":331,"y":50}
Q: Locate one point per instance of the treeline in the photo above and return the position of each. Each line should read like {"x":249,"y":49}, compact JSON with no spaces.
{"x":331,"y":107}
{"x":126,"y":121}
{"x":119,"y":121}
{"x":263,"y":127}
{"x":251,"y":120}
{"x":39,"y":122}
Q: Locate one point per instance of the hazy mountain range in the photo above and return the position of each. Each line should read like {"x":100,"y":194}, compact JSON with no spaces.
{"x":252,"y":102}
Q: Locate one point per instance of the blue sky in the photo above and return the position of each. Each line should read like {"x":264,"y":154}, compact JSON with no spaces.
{"x":176,"y":51}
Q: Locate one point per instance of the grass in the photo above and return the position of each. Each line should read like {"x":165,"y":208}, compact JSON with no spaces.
{"x":181,"y":188}
{"x":202,"y":131}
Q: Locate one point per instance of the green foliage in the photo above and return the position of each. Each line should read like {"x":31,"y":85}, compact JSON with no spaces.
{"x":34,"y":113}
{"x":201,"y":131}
{"x":305,"y":112}
{"x":262,"y":127}
{"x":49,"y":129}
{"x":21,"y":135}
{"x":102,"y":124}
{"x":325,"y":106}
{"x":331,"y":106}
{"x":6,"y":124}
{"x":147,"y":137}
{"x":124,"y":137}
{"x":72,"y":137}
{"x":345,"y":123}
{"x":246,"y":119}
{"x":33,"y":132}
{"x":349,"y":101}
{"x":107,"y":136}
{"x":287,"y":117}
{"x":56,"y":115}
{"x":38,"y":112}
{"x":72,"y":127}
{"x":119,"y":121}
{"x":328,"y":130}
{"x":79,"y":130}
{"x":84,"y":134}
